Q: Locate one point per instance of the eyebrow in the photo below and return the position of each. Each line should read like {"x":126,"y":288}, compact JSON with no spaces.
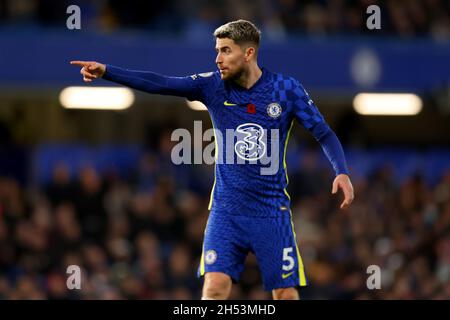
{"x":222,"y":48}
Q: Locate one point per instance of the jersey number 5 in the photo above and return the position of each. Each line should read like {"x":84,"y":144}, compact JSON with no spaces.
{"x":287,"y":258}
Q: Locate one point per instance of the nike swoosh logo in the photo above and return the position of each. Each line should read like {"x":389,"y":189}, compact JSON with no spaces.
{"x":229,"y":104}
{"x":286,"y":275}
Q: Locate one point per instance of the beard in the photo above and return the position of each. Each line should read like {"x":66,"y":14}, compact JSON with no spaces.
{"x":235,"y":76}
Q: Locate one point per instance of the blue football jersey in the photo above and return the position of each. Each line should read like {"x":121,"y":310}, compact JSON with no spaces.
{"x":261,"y":118}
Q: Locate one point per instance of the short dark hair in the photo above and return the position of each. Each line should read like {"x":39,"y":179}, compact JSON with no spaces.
{"x":241,"y":31}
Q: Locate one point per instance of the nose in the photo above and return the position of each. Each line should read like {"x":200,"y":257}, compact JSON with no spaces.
{"x":219,"y":59}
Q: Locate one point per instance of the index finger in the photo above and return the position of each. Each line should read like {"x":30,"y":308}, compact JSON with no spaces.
{"x":79,"y":63}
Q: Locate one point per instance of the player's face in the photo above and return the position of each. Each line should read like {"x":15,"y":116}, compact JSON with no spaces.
{"x":230,"y":58}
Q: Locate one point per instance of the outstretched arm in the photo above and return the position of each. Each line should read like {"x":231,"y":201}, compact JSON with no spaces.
{"x":141,"y":80}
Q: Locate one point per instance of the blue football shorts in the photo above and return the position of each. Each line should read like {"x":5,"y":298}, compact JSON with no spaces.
{"x":229,"y":238}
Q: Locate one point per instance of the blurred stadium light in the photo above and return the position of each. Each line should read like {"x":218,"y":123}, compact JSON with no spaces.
{"x":98,"y":98}
{"x":388,"y":104}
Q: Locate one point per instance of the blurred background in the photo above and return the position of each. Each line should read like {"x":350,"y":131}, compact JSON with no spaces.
{"x":97,"y":188}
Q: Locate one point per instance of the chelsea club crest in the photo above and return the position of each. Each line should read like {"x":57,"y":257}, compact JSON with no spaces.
{"x":210,"y":257}
{"x":274,"y":110}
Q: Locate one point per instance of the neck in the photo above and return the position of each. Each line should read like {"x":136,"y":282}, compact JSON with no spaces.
{"x":249,"y":77}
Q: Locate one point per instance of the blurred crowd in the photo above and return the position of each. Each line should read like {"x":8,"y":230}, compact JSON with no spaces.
{"x":140,"y":237}
{"x":277,"y":18}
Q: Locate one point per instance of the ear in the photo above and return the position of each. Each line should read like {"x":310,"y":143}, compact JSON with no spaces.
{"x":249,"y":53}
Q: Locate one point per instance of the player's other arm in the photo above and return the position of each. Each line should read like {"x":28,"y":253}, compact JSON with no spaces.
{"x":311,"y":118}
{"x":141,"y":80}
{"x":333,"y":150}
